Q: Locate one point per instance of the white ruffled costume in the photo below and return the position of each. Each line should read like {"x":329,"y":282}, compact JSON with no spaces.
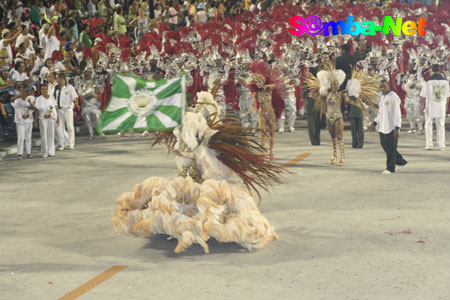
{"x":194,"y":212}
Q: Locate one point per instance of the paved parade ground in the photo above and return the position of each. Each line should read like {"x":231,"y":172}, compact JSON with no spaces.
{"x":345,"y":232}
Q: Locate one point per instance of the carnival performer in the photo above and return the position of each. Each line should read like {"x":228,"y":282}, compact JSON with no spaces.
{"x":262,"y":101}
{"x":243,"y":78}
{"x":201,"y":203}
{"x":215,"y":82}
{"x":412,"y":85}
{"x":290,"y":111}
{"x":325,"y":90}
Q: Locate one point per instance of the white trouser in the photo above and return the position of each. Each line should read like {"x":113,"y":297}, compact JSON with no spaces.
{"x":64,"y":141}
{"x":412,"y":106}
{"x":290,"y":116}
{"x":24,"y":132}
{"x":247,"y":119}
{"x":289,"y":113}
{"x":66,"y":120}
{"x":440,"y":131}
{"x":47,"y":129}
{"x":90,"y":117}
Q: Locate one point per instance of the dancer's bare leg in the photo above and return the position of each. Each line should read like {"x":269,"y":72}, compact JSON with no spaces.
{"x":262,"y":129}
{"x":332,"y":131}
{"x":272,"y":126}
{"x":339,"y":126}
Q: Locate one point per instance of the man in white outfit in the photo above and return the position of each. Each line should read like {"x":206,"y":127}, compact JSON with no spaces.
{"x":65,"y":96}
{"x":23,"y":118}
{"x":389,"y":119}
{"x":48,"y":118}
{"x":434,"y":99}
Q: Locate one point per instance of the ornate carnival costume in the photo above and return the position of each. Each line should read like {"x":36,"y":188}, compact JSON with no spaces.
{"x":203,"y":202}
{"x":361,"y":91}
{"x":267,"y":99}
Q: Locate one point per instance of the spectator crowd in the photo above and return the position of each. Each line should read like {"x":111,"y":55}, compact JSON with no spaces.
{"x":57,"y":57}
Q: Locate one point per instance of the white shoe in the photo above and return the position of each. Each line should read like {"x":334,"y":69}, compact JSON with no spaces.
{"x":44,"y":156}
{"x":145,"y":133}
{"x":60,"y":148}
{"x":412,"y":131}
{"x":442,"y":148}
{"x":292,"y":129}
{"x":120,"y":134}
{"x":71,"y":148}
{"x":103,"y":136}
{"x":281,"y":130}
{"x":428,"y":148}
{"x":386,"y":172}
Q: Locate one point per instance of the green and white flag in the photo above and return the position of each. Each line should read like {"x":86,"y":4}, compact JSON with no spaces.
{"x":139,"y":104}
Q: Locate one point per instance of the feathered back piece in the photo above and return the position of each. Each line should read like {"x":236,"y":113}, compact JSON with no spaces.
{"x":319,"y":86}
{"x":260,"y":67}
{"x":236,"y":147}
{"x":271,"y":77}
{"x":363,"y":87}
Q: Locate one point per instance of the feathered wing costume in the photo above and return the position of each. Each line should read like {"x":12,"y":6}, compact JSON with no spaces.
{"x":361,"y":91}
{"x":202,"y":202}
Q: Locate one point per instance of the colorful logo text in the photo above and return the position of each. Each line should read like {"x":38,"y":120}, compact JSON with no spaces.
{"x":314,"y":26}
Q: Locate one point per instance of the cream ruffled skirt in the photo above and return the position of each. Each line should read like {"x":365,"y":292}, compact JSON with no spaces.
{"x":193,"y":213}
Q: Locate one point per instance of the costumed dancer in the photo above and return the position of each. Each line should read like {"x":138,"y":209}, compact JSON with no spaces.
{"x":243,"y":79}
{"x":290,"y":110}
{"x":263,"y":92}
{"x":215,"y":80}
{"x":412,"y":85}
{"x":201,"y":203}
{"x":325,"y":88}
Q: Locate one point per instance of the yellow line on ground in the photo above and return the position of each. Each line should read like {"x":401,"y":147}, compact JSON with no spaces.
{"x":296,"y":160}
{"x":93,"y":283}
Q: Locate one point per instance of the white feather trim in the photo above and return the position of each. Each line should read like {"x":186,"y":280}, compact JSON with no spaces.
{"x":354,"y":87}
{"x":340,"y":75}
{"x":324,"y":80}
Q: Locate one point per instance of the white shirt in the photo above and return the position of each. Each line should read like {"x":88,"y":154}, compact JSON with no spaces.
{"x":43,"y":75}
{"x":22,"y":109}
{"x":16,"y":76}
{"x":42,"y":38}
{"x":38,"y":65}
{"x":389,"y":113}
{"x":21,"y":38}
{"x":436,"y":92}
{"x":8,"y":48}
{"x":68,"y":95}
{"x":60,"y":66}
{"x":44,"y":105}
{"x":51,"y":44}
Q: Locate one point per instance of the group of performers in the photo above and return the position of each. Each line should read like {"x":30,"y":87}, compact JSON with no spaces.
{"x":255,"y":70}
